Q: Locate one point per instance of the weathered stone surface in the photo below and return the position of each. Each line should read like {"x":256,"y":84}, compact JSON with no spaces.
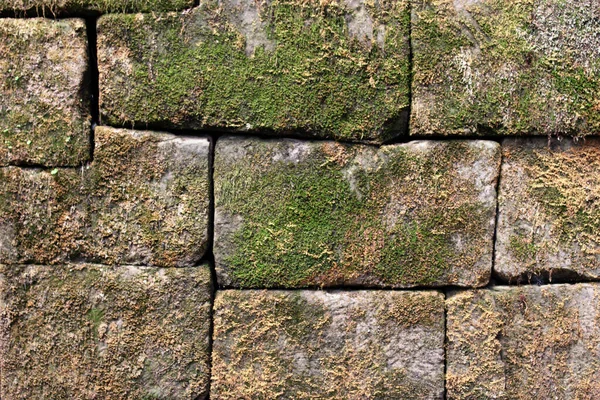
{"x":44,"y":109}
{"x":92,"y":332}
{"x":297,"y":214}
{"x":531,"y":342}
{"x":144,"y":200}
{"x":328,"y":69}
{"x":549,"y":210}
{"x":61,"y":7}
{"x":328,"y":345}
{"x":507,"y":67}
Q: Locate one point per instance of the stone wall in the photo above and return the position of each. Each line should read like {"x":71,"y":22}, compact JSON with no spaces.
{"x":299,"y":199}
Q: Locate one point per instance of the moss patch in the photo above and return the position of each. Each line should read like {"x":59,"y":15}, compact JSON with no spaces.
{"x":524,"y":67}
{"x":53,"y":8}
{"x":296,"y":67}
{"x":329,"y":214}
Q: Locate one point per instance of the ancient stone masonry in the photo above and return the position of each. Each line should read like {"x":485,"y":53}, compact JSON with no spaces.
{"x":299,"y":199}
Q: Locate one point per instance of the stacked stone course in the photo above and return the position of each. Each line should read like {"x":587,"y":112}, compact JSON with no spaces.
{"x":289,"y":199}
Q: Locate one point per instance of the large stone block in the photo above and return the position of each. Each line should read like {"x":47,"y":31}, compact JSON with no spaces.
{"x":530,"y":342}
{"x":549,"y":210}
{"x":298,"y":214}
{"x":62,"y":7}
{"x":144,"y":200}
{"x":328,"y":345}
{"x":506,"y":67}
{"x":44,"y":101}
{"x":92,"y":332}
{"x":327,"y":69}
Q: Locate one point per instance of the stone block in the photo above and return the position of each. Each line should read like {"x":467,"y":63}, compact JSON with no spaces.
{"x":329,"y":69}
{"x":144,"y":201}
{"x":328,"y":345}
{"x":293,"y":213}
{"x":505,"y":67}
{"x":90,"y":7}
{"x":44,"y":92}
{"x":529,"y":342}
{"x":89,"y":331}
{"x":549,"y":210}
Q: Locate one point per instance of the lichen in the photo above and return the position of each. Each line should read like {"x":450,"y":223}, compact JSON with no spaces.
{"x":44,"y":107}
{"x":85,"y":331}
{"x":274,"y":344}
{"x":523,"y":343}
{"x":317,"y":80}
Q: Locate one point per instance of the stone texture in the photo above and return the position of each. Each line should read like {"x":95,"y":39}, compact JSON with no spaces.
{"x":44,"y":108}
{"x":328,"y":345}
{"x":303,"y":214}
{"x":530,"y":342}
{"x":144,"y":200}
{"x":62,"y":7}
{"x":506,"y":67}
{"x":549,"y":210}
{"x":93,"y":332}
{"x":329,"y":69}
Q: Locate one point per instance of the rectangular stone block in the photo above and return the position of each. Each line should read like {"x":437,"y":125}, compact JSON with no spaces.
{"x":529,"y":342}
{"x":144,"y":200}
{"x":320,"y":69}
{"x":290,"y":213}
{"x":549,"y":210}
{"x":505,"y":67}
{"x":44,"y":94}
{"x":62,"y":7}
{"x":97,"y":332}
{"x":328,"y":345}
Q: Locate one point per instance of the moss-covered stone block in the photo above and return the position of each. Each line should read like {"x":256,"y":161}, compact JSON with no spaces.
{"x":505,"y":67}
{"x":292,"y":213}
{"x":144,"y":200}
{"x":44,"y":108}
{"x":320,"y":69}
{"x":88,"y":331}
{"x":91,"y":7}
{"x":328,"y":345}
{"x":529,"y":342}
{"x":549,"y":210}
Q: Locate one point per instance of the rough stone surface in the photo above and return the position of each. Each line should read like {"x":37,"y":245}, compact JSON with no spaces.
{"x":44,"y":108}
{"x":92,"y":332}
{"x":61,"y":7}
{"x":530,"y":342}
{"x":506,"y":67}
{"x":549,"y":210}
{"x":144,"y":200}
{"x":328,"y":345}
{"x":302,"y":214}
{"x":327,"y":69}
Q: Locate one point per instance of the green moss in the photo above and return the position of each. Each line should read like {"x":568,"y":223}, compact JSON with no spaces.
{"x":316,"y":79}
{"x":326,"y":220}
{"x":524,"y":249}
